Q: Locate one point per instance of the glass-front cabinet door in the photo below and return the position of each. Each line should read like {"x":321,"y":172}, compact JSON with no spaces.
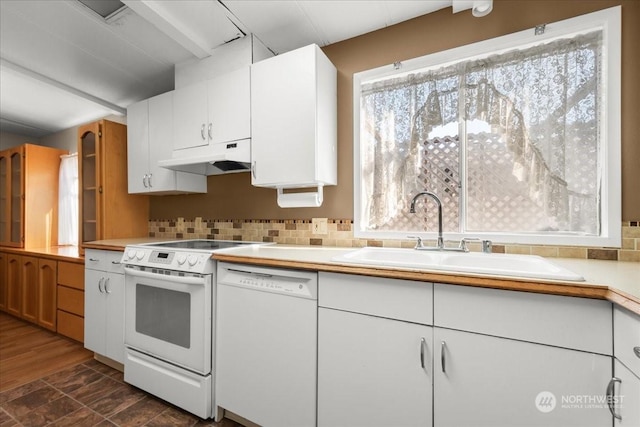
{"x":17,"y":197}
{"x":90,"y":184}
{"x":4,"y":191}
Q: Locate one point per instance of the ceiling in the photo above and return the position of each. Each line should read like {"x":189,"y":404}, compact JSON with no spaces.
{"x":61,"y":64}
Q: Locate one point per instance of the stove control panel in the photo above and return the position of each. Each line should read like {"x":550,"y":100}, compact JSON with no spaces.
{"x":196,"y":262}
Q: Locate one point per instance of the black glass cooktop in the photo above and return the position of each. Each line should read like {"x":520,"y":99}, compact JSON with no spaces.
{"x":203,"y":244}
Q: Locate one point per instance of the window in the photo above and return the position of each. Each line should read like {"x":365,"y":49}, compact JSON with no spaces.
{"x":518,"y":136}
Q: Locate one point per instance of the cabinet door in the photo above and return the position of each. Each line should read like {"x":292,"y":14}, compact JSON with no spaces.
{"x":95,"y":311}
{"x":47,"y":293}
{"x":230,"y":106}
{"x":190,"y":117}
{"x":16,"y":197}
{"x":4,"y":281}
{"x":283,"y":118}
{"x":29,"y":279}
{"x":625,"y":404}
{"x":138,"y":147}
{"x":4,"y":197}
{"x":161,"y":142}
{"x":481,"y":380}
{"x":14,"y":284}
{"x":89,"y":149}
{"x":373,"y":371}
{"x":114,"y":327}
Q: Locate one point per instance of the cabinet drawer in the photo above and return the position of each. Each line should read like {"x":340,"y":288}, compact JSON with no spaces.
{"x":626,"y":338}
{"x":390,"y":298}
{"x":104,"y":260}
{"x":570,"y":322}
{"x":71,"y":274}
{"x":70,"y":325}
{"x":71,"y":300}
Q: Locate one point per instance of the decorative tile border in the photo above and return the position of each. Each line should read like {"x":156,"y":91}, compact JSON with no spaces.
{"x":340,"y":233}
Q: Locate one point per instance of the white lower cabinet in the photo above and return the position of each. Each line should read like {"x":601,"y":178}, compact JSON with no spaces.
{"x":373,"y":371}
{"x":481,"y":380}
{"x":104,"y":304}
{"x":625,"y":400}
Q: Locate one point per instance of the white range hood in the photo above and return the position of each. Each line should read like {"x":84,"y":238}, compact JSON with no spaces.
{"x":224,"y":157}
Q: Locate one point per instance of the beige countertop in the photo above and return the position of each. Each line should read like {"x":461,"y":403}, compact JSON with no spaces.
{"x":615,"y":281}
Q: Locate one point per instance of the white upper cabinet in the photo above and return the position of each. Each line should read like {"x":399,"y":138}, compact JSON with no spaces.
{"x":211,"y":112}
{"x":149,"y":136}
{"x":294,"y":120}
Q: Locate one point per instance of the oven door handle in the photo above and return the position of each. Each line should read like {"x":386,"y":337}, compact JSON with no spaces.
{"x":175,"y":279}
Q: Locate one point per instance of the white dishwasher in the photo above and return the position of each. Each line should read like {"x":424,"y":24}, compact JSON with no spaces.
{"x":266,"y":344}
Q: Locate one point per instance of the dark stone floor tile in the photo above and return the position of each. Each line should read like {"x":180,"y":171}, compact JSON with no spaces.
{"x":20,"y":391}
{"x":6,"y":420}
{"x":173,"y":417}
{"x":117,"y":400}
{"x":49,"y":412}
{"x":96,"y":390}
{"x":101,"y":367}
{"x":225,"y":422}
{"x":139,"y":413}
{"x":31,"y":401}
{"x":73,"y":378}
{"x":82,"y":417}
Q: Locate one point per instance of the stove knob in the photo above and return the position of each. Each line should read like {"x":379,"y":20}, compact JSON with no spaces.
{"x":181,"y":259}
{"x":131,"y":254}
{"x":192,"y":260}
{"x":140,"y":254}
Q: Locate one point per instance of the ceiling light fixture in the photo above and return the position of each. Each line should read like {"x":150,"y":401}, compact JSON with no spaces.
{"x":481,"y":8}
{"x":478,"y":8}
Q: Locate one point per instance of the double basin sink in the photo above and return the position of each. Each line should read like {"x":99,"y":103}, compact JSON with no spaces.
{"x":528,"y":266}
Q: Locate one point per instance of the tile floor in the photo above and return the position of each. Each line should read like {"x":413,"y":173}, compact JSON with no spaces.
{"x":90,"y":394}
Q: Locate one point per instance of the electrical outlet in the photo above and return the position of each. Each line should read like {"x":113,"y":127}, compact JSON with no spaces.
{"x":319,"y":226}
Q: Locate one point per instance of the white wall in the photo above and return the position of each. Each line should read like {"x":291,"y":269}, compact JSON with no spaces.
{"x":8,"y":140}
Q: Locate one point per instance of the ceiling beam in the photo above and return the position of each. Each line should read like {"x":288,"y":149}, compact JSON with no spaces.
{"x":152,"y":11}
{"x":63,"y":86}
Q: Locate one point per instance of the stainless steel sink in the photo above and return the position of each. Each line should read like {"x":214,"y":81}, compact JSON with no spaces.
{"x":530,"y":266}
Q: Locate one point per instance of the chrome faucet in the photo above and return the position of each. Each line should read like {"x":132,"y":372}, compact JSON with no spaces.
{"x":412,"y":209}
{"x":486,"y":244}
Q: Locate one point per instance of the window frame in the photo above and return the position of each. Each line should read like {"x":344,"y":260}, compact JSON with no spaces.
{"x":609,"y":21}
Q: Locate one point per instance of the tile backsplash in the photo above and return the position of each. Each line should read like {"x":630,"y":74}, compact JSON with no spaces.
{"x":340,"y":233}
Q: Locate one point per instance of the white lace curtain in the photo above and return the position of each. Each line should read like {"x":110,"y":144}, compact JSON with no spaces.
{"x":543,"y":100}
{"x":68,"y":200}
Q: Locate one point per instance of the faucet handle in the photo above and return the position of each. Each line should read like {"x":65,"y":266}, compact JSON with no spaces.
{"x":464,"y":240}
{"x":419,"y":241}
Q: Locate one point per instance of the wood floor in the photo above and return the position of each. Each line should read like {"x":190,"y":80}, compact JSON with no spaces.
{"x":28,"y":352}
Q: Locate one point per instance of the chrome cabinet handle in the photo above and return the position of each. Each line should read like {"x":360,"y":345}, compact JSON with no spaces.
{"x":116,"y":262}
{"x":149,"y":180}
{"x":209,"y":131}
{"x":100,"y":284}
{"x":94,"y":259}
{"x":636,"y":350}
{"x":443,"y":347}
{"x":106,"y":285}
{"x":253,"y":169}
{"x":423,"y":344}
{"x":610,"y":392}
{"x":202,"y":133}
{"x":144,"y":181}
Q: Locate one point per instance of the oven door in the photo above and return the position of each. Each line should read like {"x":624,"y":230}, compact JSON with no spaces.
{"x":169,"y":316}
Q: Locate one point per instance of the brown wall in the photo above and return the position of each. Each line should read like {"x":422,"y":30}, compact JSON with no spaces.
{"x":233,"y":197}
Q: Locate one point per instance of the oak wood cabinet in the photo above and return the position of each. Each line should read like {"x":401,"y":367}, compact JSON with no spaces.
{"x":47,"y":293}
{"x":14,"y":288}
{"x":107,"y":211}
{"x":29,"y":288}
{"x":29,"y":196}
{"x":70,"y":300}
{"x":4,"y":282}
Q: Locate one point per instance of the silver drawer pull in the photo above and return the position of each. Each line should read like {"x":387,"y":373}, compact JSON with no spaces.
{"x":636,"y":350}
{"x":610,"y":393}
{"x":423,"y":344}
{"x":94,"y":260}
{"x":443,"y":347}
